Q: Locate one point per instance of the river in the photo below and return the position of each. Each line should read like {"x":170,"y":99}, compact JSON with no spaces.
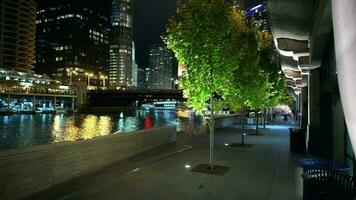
{"x":20,"y":131}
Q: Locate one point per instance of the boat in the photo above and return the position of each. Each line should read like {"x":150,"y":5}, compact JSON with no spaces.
{"x":165,"y":105}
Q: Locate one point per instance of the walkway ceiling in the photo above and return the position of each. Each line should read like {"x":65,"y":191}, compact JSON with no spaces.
{"x":291,"y":27}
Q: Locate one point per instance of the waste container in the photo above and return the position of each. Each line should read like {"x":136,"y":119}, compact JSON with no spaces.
{"x":314,"y":164}
{"x":297,"y":140}
{"x":311,"y":165}
{"x":328,"y":185}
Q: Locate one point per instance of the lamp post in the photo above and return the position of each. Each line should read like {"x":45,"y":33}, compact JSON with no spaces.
{"x":71,"y":72}
{"x":103,"y":77}
{"x":89,"y":75}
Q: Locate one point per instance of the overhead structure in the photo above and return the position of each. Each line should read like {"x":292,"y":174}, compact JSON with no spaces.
{"x":291,"y":26}
{"x":316,"y":43}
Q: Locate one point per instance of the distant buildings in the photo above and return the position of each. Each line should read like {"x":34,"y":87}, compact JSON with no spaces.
{"x":258,"y":17}
{"x":21,"y":90}
{"x":120,"y":71}
{"x":17,"y":34}
{"x":147,"y":76}
{"x":160,"y":68}
{"x":141,"y":81}
{"x":134,"y":68}
{"x":72,"y":38}
{"x":239,"y":4}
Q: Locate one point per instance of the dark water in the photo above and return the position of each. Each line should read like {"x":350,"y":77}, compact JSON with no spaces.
{"x":19,"y":131}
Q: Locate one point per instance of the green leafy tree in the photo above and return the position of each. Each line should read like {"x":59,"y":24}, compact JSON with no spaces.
{"x":206,"y":36}
{"x":276,"y":92}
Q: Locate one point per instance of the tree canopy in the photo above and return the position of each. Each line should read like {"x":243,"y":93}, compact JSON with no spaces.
{"x":207,"y":37}
{"x":225,"y":57}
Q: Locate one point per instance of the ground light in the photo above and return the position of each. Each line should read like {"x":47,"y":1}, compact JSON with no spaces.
{"x":226,"y":144}
{"x":187,"y":166}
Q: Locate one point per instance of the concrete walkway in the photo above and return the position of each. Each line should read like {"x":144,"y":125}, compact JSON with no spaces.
{"x":266,"y":171}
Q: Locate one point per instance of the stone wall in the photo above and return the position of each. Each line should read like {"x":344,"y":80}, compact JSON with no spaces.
{"x":29,"y":170}
{"x":225,"y":121}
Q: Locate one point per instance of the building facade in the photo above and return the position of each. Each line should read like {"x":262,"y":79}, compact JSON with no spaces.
{"x":141,"y":81}
{"x":317,"y":58}
{"x":258,"y":17}
{"x":120,"y":70}
{"x":160,"y":68}
{"x":72,"y":38}
{"x":17,"y":34}
{"x":134,"y":67}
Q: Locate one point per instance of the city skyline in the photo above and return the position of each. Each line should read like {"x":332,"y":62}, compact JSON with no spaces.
{"x":93,"y":104}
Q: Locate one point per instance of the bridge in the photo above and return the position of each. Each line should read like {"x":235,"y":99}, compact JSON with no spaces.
{"x":130,"y":98}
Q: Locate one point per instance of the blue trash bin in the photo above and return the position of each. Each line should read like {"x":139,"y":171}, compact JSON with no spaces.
{"x":328,"y":185}
{"x":311,"y":165}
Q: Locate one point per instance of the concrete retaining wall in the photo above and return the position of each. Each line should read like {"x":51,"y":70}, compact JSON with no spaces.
{"x":29,"y":170}
{"x":224,"y":121}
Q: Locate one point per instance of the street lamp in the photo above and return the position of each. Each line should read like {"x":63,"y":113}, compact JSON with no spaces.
{"x":89,"y":75}
{"x":104,"y":80}
{"x":71,"y":72}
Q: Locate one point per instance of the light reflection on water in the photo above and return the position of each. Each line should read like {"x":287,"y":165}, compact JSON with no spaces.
{"x":18,"y":131}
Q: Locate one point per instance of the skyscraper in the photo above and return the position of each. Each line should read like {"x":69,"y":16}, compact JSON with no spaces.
{"x":17,"y":34}
{"x":257,"y":16}
{"x":141,"y":82}
{"x":161,"y":66}
{"x":72,"y":34}
{"x":134,"y":67}
{"x":120,"y":71}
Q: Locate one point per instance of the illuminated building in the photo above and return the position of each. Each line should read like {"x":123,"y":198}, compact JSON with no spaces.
{"x":72,"y":35}
{"x":29,"y":92}
{"x":141,"y":82}
{"x":17,"y":34}
{"x":120,"y":71}
{"x":160,"y":66}
{"x":134,"y":68}
{"x":258,"y":17}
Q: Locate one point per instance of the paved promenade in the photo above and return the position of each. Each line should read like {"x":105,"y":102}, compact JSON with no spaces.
{"x":267,"y":170}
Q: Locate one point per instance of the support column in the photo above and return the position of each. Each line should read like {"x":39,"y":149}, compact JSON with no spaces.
{"x":34,"y":103}
{"x":296,"y":107}
{"x":314,"y":137}
{"x":8,"y":102}
{"x":304,"y":107}
{"x":55,"y":103}
{"x":344,"y":25}
{"x":73,"y":102}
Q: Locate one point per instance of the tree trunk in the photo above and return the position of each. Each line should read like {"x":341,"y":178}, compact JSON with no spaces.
{"x":256,"y":113}
{"x":264,"y":118}
{"x":243,"y":117}
{"x":212,"y":132}
{"x":242,"y":124}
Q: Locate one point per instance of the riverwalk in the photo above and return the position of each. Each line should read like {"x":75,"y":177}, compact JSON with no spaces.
{"x":264,"y":170}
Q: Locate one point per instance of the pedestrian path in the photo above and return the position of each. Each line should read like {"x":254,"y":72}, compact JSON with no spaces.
{"x":266,"y":171}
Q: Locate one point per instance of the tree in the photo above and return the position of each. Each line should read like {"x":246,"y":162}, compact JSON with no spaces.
{"x":271,"y":91}
{"x":206,"y":36}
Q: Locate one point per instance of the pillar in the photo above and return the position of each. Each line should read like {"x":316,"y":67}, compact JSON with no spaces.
{"x":72,"y":106}
{"x":55,"y":103}
{"x":344,"y":24}
{"x":34,"y":103}
{"x":304,"y":107}
{"x":314,"y":137}
{"x":8,"y":102}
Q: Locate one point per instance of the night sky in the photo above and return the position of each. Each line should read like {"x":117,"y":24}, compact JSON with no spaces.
{"x":150,"y":19}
